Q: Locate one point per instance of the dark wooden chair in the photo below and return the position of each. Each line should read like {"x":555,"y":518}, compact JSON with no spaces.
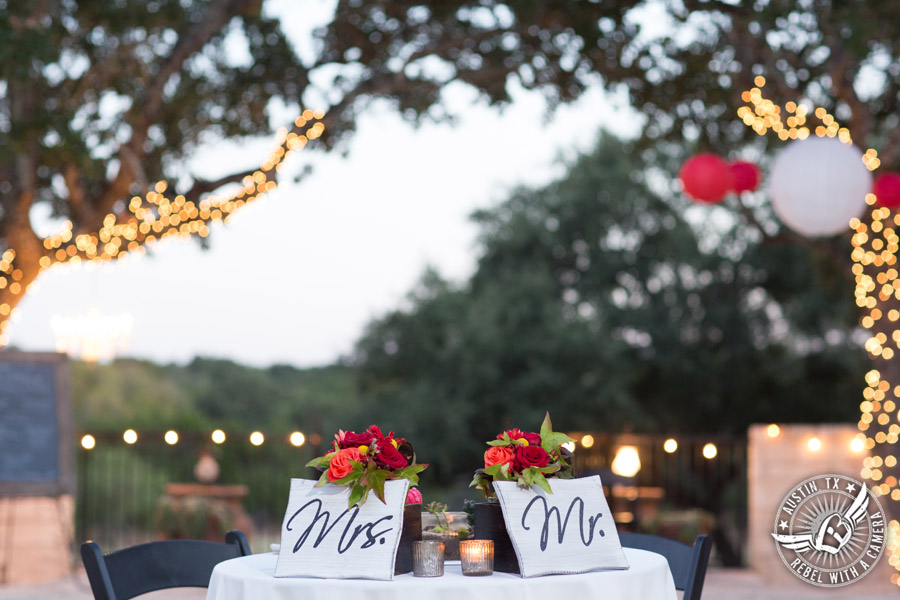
{"x":158,"y":565}
{"x":687,"y":563}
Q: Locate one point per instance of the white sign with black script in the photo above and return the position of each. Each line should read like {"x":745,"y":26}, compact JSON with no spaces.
{"x":568,"y":531}
{"x":321,"y":537}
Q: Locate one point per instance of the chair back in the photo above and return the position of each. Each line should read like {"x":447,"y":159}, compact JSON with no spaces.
{"x":687,"y":563}
{"x":158,"y":565}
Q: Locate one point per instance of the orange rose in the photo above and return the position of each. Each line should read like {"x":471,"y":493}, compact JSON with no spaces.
{"x":340,"y":466}
{"x":497,"y":455}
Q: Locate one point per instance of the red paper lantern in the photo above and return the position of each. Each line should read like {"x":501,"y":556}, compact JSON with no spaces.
{"x":745,"y":175}
{"x":887,"y":190}
{"x":706,"y":178}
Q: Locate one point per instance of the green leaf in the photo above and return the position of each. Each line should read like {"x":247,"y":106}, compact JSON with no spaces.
{"x":499,"y":443}
{"x":528,"y":476}
{"x":323,"y":479}
{"x":541,"y":482}
{"x":407,"y":472}
{"x":554,"y":440}
{"x":546,"y":426}
{"x":321,"y":462}
{"x":497,"y":472}
{"x":376,"y":483}
{"x":358,"y":493}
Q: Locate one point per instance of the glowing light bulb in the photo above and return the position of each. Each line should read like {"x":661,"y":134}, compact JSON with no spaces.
{"x":627,"y":462}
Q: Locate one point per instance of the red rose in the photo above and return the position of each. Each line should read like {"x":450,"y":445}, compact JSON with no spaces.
{"x":388,"y":456}
{"x":514,"y":434}
{"x":352,"y":439}
{"x":533,"y":439}
{"x":375,"y":432}
{"x":340,"y":466}
{"x":497,"y":455}
{"x":530,"y":456}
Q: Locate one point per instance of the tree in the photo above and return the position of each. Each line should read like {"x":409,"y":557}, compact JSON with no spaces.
{"x":102,"y":102}
{"x":102,"y":99}
{"x":593,"y":298}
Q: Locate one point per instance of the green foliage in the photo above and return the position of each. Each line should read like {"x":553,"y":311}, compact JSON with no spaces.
{"x":211,"y":393}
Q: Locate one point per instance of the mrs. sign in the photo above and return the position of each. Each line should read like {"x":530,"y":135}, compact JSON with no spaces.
{"x":568,"y":531}
{"x":321,"y":537}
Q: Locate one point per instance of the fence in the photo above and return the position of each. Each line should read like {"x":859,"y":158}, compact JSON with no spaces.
{"x":121,"y":497}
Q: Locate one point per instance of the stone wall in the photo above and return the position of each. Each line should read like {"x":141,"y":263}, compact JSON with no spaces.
{"x":774,"y":466}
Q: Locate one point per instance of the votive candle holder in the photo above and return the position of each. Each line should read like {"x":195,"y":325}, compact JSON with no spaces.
{"x":428,"y":558}
{"x":476,"y":557}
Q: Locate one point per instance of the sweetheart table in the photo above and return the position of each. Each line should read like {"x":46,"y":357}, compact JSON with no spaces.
{"x":253,"y":578}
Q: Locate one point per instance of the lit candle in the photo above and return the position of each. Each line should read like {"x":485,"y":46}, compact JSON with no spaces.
{"x":476,"y":557}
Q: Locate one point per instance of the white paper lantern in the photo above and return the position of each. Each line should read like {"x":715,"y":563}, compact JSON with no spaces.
{"x":818,"y":185}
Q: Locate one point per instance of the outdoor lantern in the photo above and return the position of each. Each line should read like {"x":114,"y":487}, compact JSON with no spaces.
{"x":818,"y":185}
{"x":706,"y":178}
{"x":887,"y":190}
{"x":745,"y":176}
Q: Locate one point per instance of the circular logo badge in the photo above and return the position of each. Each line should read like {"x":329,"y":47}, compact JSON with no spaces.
{"x":829,"y":530}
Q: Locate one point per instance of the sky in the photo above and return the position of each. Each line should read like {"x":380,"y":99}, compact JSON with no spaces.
{"x":295,"y":276}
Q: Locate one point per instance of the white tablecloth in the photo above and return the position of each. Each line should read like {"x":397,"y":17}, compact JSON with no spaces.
{"x":252,"y":578}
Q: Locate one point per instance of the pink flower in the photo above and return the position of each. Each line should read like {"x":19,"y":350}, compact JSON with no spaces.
{"x":414,"y":496}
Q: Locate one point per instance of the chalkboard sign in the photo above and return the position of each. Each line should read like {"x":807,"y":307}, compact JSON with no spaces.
{"x":35,"y":425}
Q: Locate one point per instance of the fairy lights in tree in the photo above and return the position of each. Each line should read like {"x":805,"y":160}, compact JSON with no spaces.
{"x":876,"y":243}
{"x":156,"y":216}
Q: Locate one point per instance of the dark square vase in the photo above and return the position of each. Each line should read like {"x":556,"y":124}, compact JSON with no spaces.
{"x":490,"y":525}
{"x":412,"y":531}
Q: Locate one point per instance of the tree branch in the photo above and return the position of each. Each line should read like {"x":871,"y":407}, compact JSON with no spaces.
{"x":189,"y":42}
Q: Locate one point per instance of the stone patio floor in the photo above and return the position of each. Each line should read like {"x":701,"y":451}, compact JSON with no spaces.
{"x":721,"y":584}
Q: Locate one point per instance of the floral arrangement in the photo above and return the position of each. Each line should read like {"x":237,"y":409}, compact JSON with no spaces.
{"x":525,"y":457}
{"x":364,"y":461}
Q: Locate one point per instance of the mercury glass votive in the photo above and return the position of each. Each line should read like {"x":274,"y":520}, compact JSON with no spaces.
{"x":428,"y":558}
{"x":476,"y":557}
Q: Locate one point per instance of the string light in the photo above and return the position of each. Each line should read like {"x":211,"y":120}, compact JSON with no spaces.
{"x":156,"y":216}
{"x":874,"y":254}
{"x":670,"y":445}
{"x":171,"y":437}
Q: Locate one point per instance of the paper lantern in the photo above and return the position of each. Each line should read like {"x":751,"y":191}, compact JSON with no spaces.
{"x":818,"y":185}
{"x":706,"y":178}
{"x":745,"y":176}
{"x":887,"y":190}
